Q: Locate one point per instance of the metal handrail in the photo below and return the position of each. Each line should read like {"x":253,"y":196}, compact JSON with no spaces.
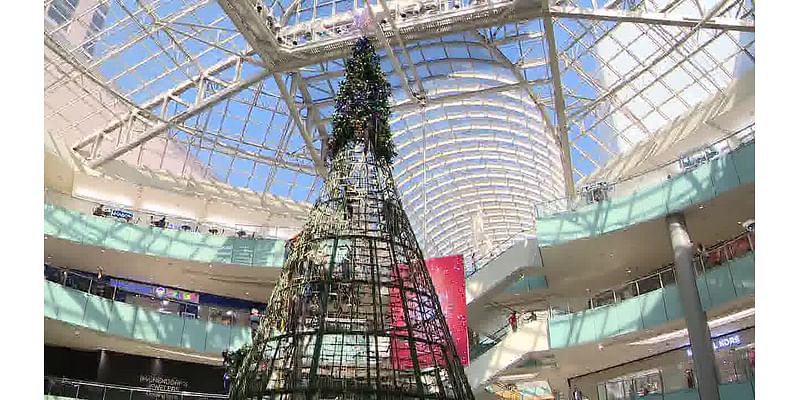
{"x":52,"y":381}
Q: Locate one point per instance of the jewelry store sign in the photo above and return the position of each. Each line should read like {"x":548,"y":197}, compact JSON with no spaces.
{"x":162,"y":383}
{"x":722,"y":343}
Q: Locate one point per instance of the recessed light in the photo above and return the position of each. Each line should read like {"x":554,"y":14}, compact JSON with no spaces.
{"x":600,"y":346}
{"x":49,"y":256}
{"x":701,"y":206}
{"x":588,"y":290}
{"x":102,"y":250}
{"x":628,"y":270}
{"x":611,"y":254}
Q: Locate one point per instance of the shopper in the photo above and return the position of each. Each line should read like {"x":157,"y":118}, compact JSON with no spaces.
{"x":512,"y":320}
{"x":689,"y":378}
{"x":99,"y":212}
{"x":255,"y":320}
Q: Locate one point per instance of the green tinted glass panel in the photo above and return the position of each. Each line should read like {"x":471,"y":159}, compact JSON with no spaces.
{"x":194,"y":334}
{"x":720,"y":286}
{"x":71,"y":305}
{"x":170,"y":330}
{"x":653,"y":311}
{"x":217,"y":337}
{"x":744,"y":160}
{"x":98,"y":312}
{"x":147,"y":324}
{"x":122,"y":320}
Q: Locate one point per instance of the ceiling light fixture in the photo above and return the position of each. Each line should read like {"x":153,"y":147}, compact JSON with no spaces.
{"x":701,"y":206}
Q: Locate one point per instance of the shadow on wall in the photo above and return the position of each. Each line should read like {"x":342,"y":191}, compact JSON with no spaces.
{"x":694,"y":187}
{"x":104,"y":232}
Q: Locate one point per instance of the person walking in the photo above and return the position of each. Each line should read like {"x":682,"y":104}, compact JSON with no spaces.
{"x":512,"y":320}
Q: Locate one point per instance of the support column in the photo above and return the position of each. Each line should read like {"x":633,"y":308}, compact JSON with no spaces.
{"x":696,"y":320}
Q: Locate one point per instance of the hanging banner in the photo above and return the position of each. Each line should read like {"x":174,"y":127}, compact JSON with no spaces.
{"x":447,"y":275}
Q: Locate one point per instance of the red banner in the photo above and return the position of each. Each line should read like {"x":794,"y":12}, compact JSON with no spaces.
{"x":447,"y":274}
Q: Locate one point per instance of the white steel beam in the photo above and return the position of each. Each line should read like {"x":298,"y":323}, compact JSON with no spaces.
{"x":561,"y":115}
{"x":631,"y":77}
{"x":403,"y":47}
{"x":301,"y":126}
{"x":251,"y":22}
{"x":653,"y":18}
{"x":196,"y":109}
{"x":398,"y":68}
{"x":171,"y":95}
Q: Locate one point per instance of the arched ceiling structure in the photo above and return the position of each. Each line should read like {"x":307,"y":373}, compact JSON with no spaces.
{"x":498,"y":105}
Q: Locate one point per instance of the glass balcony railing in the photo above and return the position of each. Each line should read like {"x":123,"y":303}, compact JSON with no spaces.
{"x":145,"y":217}
{"x":719,"y":282}
{"x":74,"y":389}
{"x":76,"y":226}
{"x":106,"y":288}
{"x":710,"y":271}
{"x":711,"y":258}
{"x":598,"y":192}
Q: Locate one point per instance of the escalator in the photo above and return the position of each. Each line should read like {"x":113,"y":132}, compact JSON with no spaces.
{"x":500,"y":351}
{"x":497,"y":274}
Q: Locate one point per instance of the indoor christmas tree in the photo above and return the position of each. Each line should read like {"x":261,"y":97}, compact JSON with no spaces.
{"x":354,"y":314}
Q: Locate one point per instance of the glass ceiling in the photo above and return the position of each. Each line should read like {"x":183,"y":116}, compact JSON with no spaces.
{"x":242,"y":92}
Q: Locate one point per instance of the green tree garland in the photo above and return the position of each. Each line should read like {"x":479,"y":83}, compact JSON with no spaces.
{"x":362,"y":105}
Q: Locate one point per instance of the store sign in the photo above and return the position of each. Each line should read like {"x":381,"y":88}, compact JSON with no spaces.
{"x":165,"y":383}
{"x":156,"y":291}
{"x":722,"y":343}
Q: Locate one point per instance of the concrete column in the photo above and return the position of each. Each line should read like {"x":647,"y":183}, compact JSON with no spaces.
{"x":696,"y":320}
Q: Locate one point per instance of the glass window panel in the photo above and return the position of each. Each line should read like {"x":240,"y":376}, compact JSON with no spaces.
{"x":649,"y":284}
{"x":603,"y":299}
{"x":668,"y":277}
{"x":61,"y":11}
{"x":626,"y":292}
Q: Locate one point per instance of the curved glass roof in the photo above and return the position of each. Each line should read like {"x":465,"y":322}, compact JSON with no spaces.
{"x":498,"y":105}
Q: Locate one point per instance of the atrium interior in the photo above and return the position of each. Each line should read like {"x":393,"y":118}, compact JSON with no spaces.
{"x":551,"y":199}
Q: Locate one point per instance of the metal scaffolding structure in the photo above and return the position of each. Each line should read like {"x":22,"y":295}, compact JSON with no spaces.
{"x":355,"y":314}
{"x":497,"y":104}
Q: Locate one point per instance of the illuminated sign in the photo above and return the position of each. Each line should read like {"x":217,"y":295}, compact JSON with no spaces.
{"x":160,"y":292}
{"x":722,"y":343}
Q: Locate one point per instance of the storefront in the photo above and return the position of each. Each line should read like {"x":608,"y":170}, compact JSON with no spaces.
{"x":130,"y":370}
{"x":672,"y":371}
